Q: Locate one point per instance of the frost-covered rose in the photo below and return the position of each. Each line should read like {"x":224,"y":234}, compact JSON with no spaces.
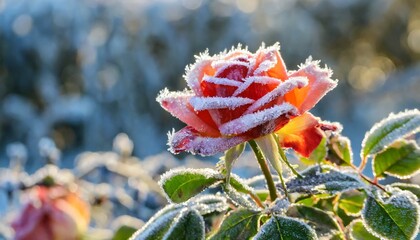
{"x":52,"y":213}
{"x":237,"y":96}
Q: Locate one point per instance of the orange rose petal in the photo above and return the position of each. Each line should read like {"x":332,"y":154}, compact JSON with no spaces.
{"x":301,"y":133}
{"x":187,"y":139}
{"x":319,"y":84}
{"x":270,"y":62}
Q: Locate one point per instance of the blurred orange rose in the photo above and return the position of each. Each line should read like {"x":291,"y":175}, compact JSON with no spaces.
{"x":52,"y":213}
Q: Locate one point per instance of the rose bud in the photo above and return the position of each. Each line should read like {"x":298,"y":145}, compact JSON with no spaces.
{"x":52,"y":213}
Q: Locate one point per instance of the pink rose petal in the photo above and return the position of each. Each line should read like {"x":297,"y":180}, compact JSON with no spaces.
{"x":187,"y":139}
{"x":177,"y":103}
{"x":319,"y":84}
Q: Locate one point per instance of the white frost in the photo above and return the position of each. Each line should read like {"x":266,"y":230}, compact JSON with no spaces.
{"x":221,"y":81}
{"x":249,"y":121}
{"x":255,"y":79}
{"x":207,"y":103}
{"x":390,"y":129}
{"x":280,"y":90}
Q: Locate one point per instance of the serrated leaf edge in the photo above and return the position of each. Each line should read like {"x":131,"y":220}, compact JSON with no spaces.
{"x":376,"y":126}
{"x":405,"y":193}
{"x":393,"y":174}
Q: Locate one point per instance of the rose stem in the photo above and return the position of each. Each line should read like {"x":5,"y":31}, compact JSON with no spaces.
{"x":264,"y":169}
{"x":256,"y":199}
{"x":373,"y":182}
{"x":283,"y":185}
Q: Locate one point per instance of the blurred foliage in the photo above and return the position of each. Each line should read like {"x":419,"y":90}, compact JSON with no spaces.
{"x":82,"y":71}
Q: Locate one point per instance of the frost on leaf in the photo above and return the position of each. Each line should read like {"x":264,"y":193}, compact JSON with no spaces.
{"x":315,"y":182}
{"x":413,"y":188}
{"x":358,"y":231}
{"x":207,"y":204}
{"x":401,"y":160}
{"x":351,"y":202}
{"x":182,"y":184}
{"x":188,"y":224}
{"x":285,"y":228}
{"x":239,"y":224}
{"x":395,"y":218}
{"x":339,"y":150}
{"x":238,"y":198}
{"x":390,"y":129}
{"x":321,"y":221}
{"x":157,"y":226}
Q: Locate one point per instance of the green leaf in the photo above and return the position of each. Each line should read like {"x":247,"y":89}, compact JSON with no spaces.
{"x":322,"y":222}
{"x":182,"y":184}
{"x":239,"y":185}
{"x":171,"y":222}
{"x":352,"y":202}
{"x":340,"y":151}
{"x":401,"y":160}
{"x":124,"y":232}
{"x":315,"y":182}
{"x":413,"y":188}
{"x":158,"y":225}
{"x":230,"y":157}
{"x":238,"y":224}
{"x":285,"y":228}
{"x":189,"y":224}
{"x":390,"y":129}
{"x":238,"y":198}
{"x":396,"y":218}
{"x":318,"y":155}
{"x":359,"y":232}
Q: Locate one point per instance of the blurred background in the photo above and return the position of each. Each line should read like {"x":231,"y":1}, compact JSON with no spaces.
{"x":80,"y":72}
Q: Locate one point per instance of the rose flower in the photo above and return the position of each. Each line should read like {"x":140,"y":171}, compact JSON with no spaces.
{"x":238,"y":96}
{"x":52,"y":213}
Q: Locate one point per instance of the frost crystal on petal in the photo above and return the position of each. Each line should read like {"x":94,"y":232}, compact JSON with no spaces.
{"x":193,"y":72}
{"x":221,"y":81}
{"x":188,"y":140}
{"x":255,"y":79}
{"x":249,"y":121}
{"x":206,"y":103}
{"x":280,"y":90}
{"x":221,"y":65}
{"x":177,"y":104}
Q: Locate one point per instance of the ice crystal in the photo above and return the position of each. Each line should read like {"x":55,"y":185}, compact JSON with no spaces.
{"x":204,"y":146}
{"x":255,"y":79}
{"x":280,"y":90}
{"x":249,"y":121}
{"x":207,"y":103}
{"x":221,"y":81}
{"x":390,"y":129}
